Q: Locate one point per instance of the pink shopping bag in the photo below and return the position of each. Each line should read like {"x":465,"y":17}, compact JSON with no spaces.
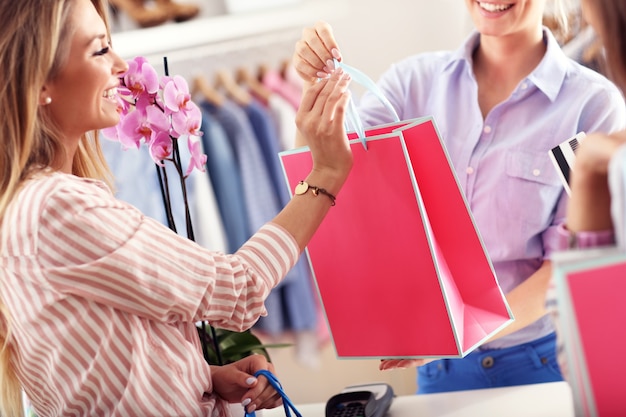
{"x":590,"y":288}
{"x":398,"y":263}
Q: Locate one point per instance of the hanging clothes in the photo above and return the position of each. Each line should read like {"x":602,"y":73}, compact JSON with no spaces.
{"x":136,"y":182}
{"x":284,"y":116}
{"x":290,"y":306}
{"x":275,"y":82}
{"x":261,"y":200}
{"x":223,"y":171}
{"x":267,"y":136}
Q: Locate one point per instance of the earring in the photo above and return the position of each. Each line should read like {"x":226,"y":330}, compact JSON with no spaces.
{"x":47,"y":100}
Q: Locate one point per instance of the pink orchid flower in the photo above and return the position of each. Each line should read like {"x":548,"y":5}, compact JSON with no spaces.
{"x":198,"y":158}
{"x":161,"y":147}
{"x":164,"y":80}
{"x":123,"y":104}
{"x":176,"y":95}
{"x":142,"y":124}
{"x":141,"y":78}
{"x":112,"y":133}
{"x":187,"y":122}
{"x":123,"y":107}
{"x":156,"y":111}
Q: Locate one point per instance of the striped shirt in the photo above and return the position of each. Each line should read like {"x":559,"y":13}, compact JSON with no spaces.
{"x":104,"y":301}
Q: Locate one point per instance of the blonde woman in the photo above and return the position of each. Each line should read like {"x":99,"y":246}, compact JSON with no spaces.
{"x":99,"y":302}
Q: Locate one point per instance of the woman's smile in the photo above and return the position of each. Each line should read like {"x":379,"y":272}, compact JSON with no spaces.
{"x":492,"y":9}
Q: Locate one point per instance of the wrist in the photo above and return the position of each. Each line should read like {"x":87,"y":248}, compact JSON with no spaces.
{"x":582,"y":239}
{"x":330,"y":179}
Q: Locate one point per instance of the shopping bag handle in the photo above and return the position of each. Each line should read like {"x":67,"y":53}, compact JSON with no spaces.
{"x":279,"y":388}
{"x":352,"y":115}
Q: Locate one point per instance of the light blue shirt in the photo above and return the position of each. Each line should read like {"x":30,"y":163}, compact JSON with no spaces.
{"x":291,"y":305}
{"x":502,"y":162}
{"x":223,"y":171}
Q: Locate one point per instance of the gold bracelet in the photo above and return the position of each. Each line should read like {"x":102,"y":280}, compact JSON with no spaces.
{"x":303,"y":187}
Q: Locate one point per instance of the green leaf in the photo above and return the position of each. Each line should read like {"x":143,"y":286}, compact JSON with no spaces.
{"x":234,"y":346}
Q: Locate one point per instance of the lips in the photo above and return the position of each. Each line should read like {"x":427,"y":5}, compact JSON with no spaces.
{"x":494,"y":7}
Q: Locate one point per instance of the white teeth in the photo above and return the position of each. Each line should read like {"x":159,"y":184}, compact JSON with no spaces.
{"x":491,"y":7}
{"x":110,"y":93}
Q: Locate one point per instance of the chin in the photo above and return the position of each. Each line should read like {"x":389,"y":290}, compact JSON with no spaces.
{"x":111,"y":121}
{"x":487,"y":29}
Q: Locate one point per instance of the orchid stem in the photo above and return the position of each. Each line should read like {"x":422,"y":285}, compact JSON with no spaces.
{"x":165,"y":194}
{"x":190,"y":233}
{"x":183,"y":186}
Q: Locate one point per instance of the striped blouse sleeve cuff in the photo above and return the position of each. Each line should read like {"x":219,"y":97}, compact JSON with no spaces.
{"x":273,"y":251}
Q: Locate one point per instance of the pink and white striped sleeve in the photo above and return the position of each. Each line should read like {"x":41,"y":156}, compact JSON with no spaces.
{"x":97,"y":247}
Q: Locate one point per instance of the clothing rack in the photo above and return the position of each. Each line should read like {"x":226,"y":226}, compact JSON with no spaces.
{"x":208,"y":60}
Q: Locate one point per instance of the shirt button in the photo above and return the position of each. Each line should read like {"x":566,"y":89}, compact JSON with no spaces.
{"x":487,"y":362}
{"x":536,"y":172}
{"x":487,"y":129}
{"x":469,"y":170}
{"x":524,"y":86}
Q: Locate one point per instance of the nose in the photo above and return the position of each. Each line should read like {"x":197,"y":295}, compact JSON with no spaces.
{"x":119,"y":65}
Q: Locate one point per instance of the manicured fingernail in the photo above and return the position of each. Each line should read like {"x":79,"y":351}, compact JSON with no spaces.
{"x":336,"y":53}
{"x":246,"y":402}
{"x":322,"y":75}
{"x":330,"y":64}
{"x":250,"y":380}
{"x":251,"y":408}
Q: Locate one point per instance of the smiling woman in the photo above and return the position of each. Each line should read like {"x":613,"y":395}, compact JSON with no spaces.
{"x":99,"y":303}
{"x":82,"y":93}
{"x":514,"y":95}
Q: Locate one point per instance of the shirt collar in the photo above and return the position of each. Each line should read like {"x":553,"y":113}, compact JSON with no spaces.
{"x":548,"y":76}
{"x":550,"y":73}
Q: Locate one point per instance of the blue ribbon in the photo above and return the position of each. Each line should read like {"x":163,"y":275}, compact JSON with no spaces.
{"x":279,"y":388}
{"x":352,"y":116}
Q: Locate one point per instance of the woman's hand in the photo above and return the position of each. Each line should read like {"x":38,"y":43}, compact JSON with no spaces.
{"x":313,"y":57}
{"x":589,"y":207}
{"x":320,"y":122}
{"x":388,"y":364}
{"x":235,"y":382}
{"x":595,"y":152}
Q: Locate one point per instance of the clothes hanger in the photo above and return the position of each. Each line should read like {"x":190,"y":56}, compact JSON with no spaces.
{"x":290,"y":74}
{"x":244,"y":77}
{"x":224,"y":79}
{"x":284,"y":67}
{"x":263,"y":69}
{"x":210,"y":94}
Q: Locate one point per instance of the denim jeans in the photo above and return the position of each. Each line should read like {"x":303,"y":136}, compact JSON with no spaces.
{"x":528,"y":363}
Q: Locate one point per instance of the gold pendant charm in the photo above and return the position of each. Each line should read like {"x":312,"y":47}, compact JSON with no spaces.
{"x":301,"y":188}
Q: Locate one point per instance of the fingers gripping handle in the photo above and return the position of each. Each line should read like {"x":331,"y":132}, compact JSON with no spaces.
{"x":276,"y":385}
{"x":352,"y":115}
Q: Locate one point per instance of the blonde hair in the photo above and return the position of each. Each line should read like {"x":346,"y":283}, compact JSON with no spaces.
{"x":562,"y":17}
{"x":34,"y":35}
